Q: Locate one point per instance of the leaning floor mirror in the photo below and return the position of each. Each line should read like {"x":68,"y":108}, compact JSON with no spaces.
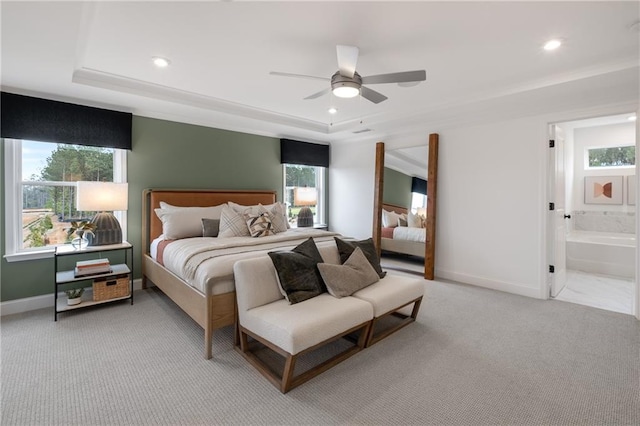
{"x":404,"y":218}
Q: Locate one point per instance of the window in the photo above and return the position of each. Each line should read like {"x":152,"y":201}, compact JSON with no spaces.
{"x":40,"y":191}
{"x":304,"y":187}
{"x":619,"y":156}
{"x":418,"y":201}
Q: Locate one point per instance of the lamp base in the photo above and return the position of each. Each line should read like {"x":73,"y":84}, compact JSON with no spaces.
{"x":107,"y":231}
{"x":305,"y":217}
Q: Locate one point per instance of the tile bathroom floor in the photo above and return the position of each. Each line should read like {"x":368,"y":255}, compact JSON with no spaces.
{"x":599,"y":291}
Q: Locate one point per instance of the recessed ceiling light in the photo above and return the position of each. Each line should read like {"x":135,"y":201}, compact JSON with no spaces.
{"x":552,"y":44}
{"x":632,"y":118}
{"x":160,"y":62}
{"x":332,"y":110}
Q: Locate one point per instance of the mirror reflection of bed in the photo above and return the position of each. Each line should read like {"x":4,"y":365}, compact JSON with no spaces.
{"x":404,"y":211}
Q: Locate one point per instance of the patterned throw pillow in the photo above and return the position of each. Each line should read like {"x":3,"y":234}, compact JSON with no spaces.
{"x":232,"y":224}
{"x":260,"y":225}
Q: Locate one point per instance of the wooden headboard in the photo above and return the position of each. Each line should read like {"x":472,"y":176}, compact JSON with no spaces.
{"x":394,"y":208}
{"x":152,"y":225}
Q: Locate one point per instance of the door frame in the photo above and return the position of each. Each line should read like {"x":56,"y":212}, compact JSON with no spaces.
{"x":598,"y":112}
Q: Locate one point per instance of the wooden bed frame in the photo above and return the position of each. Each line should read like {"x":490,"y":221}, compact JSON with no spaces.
{"x":400,"y":246}
{"x":209,"y":311}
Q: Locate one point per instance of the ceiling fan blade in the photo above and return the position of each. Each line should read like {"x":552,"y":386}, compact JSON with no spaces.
{"x":320,"y":93}
{"x":372,"y":95}
{"x":396,"y":77}
{"x":347,"y":60}
{"x":311,"y":77}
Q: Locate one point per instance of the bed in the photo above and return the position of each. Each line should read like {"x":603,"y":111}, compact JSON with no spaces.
{"x":402,"y":239}
{"x":204,"y":287}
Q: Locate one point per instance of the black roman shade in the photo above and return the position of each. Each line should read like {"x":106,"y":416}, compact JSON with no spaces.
{"x":419,"y":185}
{"x":305,"y":153}
{"x":29,"y":118}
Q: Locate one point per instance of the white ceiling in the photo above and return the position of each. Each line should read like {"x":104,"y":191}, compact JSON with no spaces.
{"x":483,"y":60}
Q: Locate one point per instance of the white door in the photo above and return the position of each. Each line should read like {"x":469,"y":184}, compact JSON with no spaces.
{"x":557,"y":218}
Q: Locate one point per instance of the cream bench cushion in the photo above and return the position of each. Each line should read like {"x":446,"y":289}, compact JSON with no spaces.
{"x":297,"y":327}
{"x":391,"y":293}
{"x":265,"y":312}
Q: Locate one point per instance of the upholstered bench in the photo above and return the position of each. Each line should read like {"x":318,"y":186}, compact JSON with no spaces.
{"x":283,"y":305}
{"x":293,"y":330}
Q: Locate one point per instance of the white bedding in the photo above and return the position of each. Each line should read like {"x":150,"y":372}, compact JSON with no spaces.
{"x":418,"y":235}
{"x":207,"y":263}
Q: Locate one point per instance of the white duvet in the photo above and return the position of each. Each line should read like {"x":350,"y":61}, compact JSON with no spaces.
{"x":207,"y":263}
{"x":406,"y":233}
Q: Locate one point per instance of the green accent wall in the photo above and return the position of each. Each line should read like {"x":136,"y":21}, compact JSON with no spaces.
{"x":397,"y":188}
{"x":165,"y":154}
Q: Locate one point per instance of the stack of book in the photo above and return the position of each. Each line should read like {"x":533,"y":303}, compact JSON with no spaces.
{"x":92,"y":267}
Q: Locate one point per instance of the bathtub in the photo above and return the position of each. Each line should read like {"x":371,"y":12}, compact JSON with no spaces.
{"x":602,"y":253}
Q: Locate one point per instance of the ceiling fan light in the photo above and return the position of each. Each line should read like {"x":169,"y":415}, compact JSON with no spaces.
{"x":346,"y":90}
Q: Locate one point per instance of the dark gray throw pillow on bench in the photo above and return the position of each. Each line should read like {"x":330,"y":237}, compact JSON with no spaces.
{"x":346,"y":248}
{"x":297,"y":271}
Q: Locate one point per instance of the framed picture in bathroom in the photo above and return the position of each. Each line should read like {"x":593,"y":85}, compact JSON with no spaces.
{"x":603,"y":189}
{"x":631,"y":190}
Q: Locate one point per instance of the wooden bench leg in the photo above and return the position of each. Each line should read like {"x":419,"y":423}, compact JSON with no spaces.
{"x":288,"y":380}
{"x":406,"y":320}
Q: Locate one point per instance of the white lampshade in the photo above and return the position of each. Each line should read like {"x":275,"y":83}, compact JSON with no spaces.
{"x":303,"y":196}
{"x":102,"y":196}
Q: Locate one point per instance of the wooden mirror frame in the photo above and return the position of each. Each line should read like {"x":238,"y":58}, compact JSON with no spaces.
{"x":432,"y":195}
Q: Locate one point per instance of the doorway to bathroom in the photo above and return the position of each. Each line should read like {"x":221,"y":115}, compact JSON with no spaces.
{"x":592,"y":222}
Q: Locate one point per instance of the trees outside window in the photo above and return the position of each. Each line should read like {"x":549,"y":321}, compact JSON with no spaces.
{"x":304,"y":186}
{"x":49,"y":176}
{"x":619,"y":156}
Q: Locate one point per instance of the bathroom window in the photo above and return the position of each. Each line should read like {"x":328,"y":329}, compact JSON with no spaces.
{"x":618,"y":156}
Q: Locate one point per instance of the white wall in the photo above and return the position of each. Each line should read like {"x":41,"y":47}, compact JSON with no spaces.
{"x":491,"y":205}
{"x":351,"y":182}
{"x":492,"y":200}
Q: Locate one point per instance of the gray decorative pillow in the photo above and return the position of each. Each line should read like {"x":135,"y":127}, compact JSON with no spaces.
{"x":355,"y":274}
{"x":210,"y":227}
{"x":402,"y":222}
{"x":345,"y":248}
{"x":260,"y":225}
{"x":297,"y":271}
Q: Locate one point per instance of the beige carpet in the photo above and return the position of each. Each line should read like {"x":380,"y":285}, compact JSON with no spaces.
{"x":474,"y":357}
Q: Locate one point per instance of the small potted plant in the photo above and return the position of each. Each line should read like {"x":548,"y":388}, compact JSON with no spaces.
{"x":74,"y":296}
{"x":81,"y":229}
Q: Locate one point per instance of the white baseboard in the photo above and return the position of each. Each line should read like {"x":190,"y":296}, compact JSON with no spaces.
{"x":27,"y":304}
{"x":520,"y":290}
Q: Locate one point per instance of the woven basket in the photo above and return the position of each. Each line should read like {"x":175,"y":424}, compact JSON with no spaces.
{"x":106,"y":288}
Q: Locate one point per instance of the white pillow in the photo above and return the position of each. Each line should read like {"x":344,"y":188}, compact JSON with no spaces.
{"x":414,"y":221}
{"x":185,"y":222}
{"x":389,"y":219}
{"x":276,"y":214}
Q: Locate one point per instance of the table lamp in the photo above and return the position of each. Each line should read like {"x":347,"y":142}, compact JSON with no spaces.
{"x":305,"y":197}
{"x":103,"y":197}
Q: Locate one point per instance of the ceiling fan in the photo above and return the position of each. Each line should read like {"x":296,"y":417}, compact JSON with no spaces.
{"x":347,"y":83}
